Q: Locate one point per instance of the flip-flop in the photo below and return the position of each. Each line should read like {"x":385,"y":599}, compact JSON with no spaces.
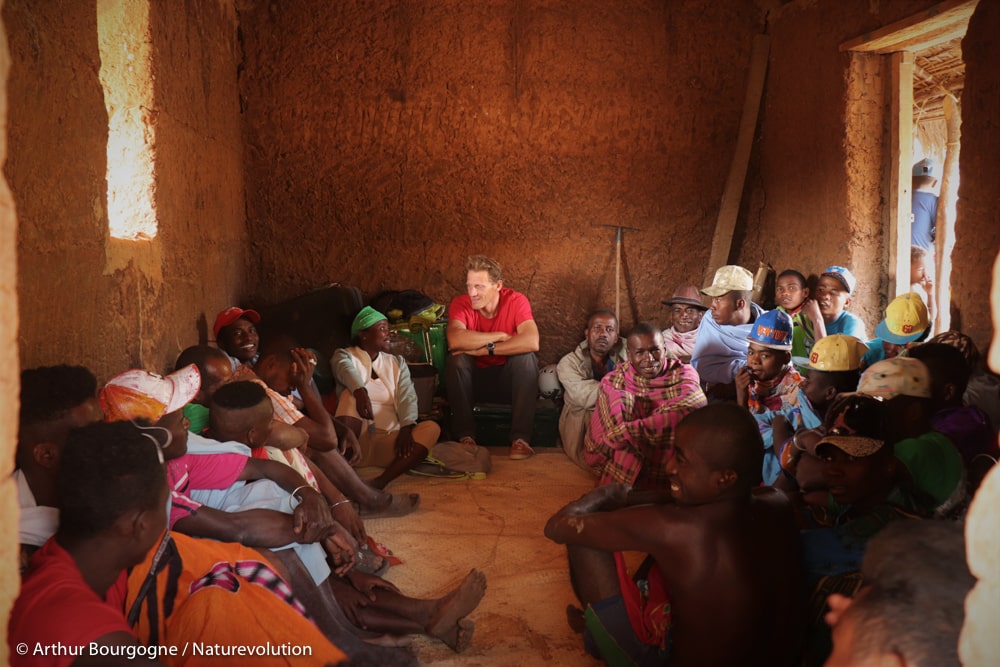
{"x":401,"y":505}
{"x":432,"y":467}
{"x":370,"y":562}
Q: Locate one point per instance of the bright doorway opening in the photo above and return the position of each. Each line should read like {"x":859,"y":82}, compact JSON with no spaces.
{"x":927,"y":75}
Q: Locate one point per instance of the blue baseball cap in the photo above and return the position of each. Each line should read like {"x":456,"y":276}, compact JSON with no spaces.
{"x":773,"y":329}
{"x":842,"y":274}
{"x":925,"y":167}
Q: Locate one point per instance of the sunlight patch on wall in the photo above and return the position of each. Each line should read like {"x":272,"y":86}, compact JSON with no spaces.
{"x":124,"y":41}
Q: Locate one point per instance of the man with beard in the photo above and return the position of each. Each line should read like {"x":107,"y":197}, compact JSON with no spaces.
{"x":638,"y":407}
{"x":580,"y":373}
{"x":686,"y":311}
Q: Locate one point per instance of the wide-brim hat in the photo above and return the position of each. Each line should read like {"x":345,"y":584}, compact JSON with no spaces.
{"x":139,"y":394}
{"x":686,"y":295}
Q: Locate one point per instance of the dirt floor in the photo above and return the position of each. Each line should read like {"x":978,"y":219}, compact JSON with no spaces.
{"x":494,"y":525}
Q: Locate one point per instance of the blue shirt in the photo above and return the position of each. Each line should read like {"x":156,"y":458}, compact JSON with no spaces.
{"x":923,"y":231}
{"x":849,"y":324}
{"x":721,"y":350}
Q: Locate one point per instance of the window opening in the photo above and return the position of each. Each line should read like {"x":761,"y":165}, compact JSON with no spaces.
{"x":124,"y":42}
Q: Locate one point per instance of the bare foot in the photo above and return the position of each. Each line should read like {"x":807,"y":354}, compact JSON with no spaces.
{"x":393,"y":641}
{"x":447,"y":624}
{"x":393,"y":505}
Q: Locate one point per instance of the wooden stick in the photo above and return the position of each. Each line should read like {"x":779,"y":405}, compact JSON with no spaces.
{"x":725,"y":224}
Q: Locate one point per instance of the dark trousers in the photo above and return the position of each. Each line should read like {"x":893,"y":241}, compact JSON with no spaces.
{"x":514,"y":384}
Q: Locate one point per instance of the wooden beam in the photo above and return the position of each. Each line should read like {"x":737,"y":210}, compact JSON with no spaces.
{"x":729,"y":209}
{"x":941,"y":23}
{"x":947,"y":204}
{"x":898,"y":220}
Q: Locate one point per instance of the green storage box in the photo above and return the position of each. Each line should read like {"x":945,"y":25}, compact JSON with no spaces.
{"x":413,"y":342}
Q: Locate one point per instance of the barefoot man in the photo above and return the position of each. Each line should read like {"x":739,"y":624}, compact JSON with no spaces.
{"x":726,"y":552}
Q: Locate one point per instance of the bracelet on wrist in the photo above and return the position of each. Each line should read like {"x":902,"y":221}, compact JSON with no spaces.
{"x":295,"y":495}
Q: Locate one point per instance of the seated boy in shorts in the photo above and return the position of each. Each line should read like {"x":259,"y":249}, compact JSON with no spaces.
{"x":733,"y":592}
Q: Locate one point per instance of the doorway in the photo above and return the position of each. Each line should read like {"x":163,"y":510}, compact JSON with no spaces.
{"x":923,"y":54}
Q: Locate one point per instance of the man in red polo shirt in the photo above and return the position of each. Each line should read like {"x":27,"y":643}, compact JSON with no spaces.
{"x":493,"y":338}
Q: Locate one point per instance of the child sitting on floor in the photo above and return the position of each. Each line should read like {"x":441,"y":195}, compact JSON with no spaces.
{"x":768,"y":381}
{"x":833,"y":295}
{"x":768,"y":384}
{"x":790,"y":294}
{"x":833,"y":368}
{"x":905,"y":323}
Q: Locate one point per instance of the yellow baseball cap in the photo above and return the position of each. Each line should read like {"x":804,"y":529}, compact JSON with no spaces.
{"x":905,"y":320}
{"x":837,"y":352}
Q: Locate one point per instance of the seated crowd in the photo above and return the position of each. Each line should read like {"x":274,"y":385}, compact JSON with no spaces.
{"x":754,"y":455}
{"x":756,"y":458}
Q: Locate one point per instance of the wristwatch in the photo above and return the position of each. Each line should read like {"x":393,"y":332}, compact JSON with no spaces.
{"x":490,"y":347}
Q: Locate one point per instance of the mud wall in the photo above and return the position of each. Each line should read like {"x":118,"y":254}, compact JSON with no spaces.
{"x":977,"y":223}
{"x":814,"y":192}
{"x":10,"y":579}
{"x":84,"y":297}
{"x":386,"y":141}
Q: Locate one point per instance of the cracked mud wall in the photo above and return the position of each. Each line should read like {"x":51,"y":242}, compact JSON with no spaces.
{"x":814,"y":189}
{"x":386,"y":141}
{"x":977,"y":225}
{"x":87,"y":298}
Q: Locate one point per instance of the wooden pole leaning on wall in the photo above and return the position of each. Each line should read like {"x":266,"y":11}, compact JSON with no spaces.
{"x":618,"y":268}
{"x":729,"y":209}
{"x":947,"y":203}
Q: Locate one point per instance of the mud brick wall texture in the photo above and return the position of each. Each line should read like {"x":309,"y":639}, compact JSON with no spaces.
{"x":388,"y":141}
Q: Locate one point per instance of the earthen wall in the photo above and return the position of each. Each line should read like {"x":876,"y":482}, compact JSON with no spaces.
{"x":386,"y":141}
{"x":87,"y":298}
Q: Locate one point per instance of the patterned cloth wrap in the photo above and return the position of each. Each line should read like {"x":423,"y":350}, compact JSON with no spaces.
{"x":632,"y":429}
{"x":679,"y":345}
{"x":778,"y":394}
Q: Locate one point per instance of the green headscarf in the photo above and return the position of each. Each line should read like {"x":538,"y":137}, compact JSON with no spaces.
{"x":367,"y":317}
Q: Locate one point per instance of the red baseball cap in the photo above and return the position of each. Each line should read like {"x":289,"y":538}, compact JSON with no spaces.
{"x":230,"y":315}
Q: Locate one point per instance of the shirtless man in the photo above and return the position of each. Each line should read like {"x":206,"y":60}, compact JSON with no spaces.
{"x":726,"y":552}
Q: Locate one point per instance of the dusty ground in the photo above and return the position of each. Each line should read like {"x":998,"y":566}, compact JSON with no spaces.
{"x":495,"y":525}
